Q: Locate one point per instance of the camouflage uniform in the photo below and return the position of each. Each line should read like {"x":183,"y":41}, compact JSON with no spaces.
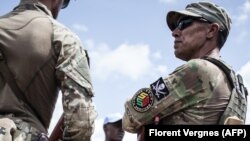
{"x":44,"y":55}
{"x":197,"y":93}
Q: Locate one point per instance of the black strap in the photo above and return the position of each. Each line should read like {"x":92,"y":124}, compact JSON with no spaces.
{"x":87,"y":56}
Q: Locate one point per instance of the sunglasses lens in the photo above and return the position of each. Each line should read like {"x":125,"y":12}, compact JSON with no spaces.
{"x":187,"y":21}
{"x":182,"y":24}
{"x":65,"y":4}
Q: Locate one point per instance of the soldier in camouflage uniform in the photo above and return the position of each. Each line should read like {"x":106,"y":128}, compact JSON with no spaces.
{"x":197,"y":92}
{"x":44,"y":57}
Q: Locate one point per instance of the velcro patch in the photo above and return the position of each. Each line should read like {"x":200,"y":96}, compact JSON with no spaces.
{"x":142,"y":100}
{"x":159,"y":89}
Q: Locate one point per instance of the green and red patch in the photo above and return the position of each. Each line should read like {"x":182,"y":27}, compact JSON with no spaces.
{"x":142,"y":100}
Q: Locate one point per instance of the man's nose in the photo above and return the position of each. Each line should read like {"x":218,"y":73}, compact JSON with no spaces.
{"x":176,"y":32}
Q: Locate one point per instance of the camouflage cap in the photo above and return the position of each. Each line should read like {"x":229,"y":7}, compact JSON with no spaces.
{"x":209,"y":11}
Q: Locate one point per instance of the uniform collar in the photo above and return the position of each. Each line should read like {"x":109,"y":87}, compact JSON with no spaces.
{"x":35,"y":4}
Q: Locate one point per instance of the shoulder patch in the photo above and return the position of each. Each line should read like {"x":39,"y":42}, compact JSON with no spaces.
{"x":159,"y":89}
{"x":142,"y":100}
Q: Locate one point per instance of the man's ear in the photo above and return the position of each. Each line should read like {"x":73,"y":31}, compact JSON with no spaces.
{"x":213,"y":30}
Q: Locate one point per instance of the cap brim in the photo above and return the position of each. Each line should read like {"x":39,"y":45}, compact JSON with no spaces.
{"x":173,"y":16}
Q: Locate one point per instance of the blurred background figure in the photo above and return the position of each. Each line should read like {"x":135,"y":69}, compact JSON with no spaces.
{"x":112,"y":127}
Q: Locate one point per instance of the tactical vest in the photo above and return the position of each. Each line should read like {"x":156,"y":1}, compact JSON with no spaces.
{"x":237,"y":106}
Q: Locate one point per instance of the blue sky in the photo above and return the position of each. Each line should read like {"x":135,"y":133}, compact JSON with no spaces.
{"x":130,"y":46}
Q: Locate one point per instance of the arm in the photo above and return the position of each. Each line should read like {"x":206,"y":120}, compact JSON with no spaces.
{"x":184,"y":88}
{"x":72,"y":72}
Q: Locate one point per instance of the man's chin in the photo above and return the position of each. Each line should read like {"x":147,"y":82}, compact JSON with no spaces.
{"x":180,"y":56}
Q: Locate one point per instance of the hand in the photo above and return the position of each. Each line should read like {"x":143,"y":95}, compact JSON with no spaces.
{"x":141,"y":134}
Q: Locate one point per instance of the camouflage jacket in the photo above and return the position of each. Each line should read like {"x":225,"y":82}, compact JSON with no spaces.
{"x":44,"y":56}
{"x":195,"y":93}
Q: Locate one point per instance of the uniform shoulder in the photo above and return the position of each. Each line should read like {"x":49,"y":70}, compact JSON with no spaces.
{"x":198,"y":66}
{"x":61,"y":32}
{"x":58,"y":25}
{"x":201,"y":64}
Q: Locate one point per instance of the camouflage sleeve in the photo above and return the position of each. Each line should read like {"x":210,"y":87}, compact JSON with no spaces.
{"x":184,"y":87}
{"x":72,"y":71}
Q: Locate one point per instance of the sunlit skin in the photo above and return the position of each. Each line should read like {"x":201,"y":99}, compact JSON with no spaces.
{"x":114,"y":131}
{"x":195,"y":41}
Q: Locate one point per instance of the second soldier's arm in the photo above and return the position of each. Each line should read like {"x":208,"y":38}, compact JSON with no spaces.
{"x":73,"y":74}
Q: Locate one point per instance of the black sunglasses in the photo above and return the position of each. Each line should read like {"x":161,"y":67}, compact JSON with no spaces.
{"x":65,"y":4}
{"x":187,"y":21}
